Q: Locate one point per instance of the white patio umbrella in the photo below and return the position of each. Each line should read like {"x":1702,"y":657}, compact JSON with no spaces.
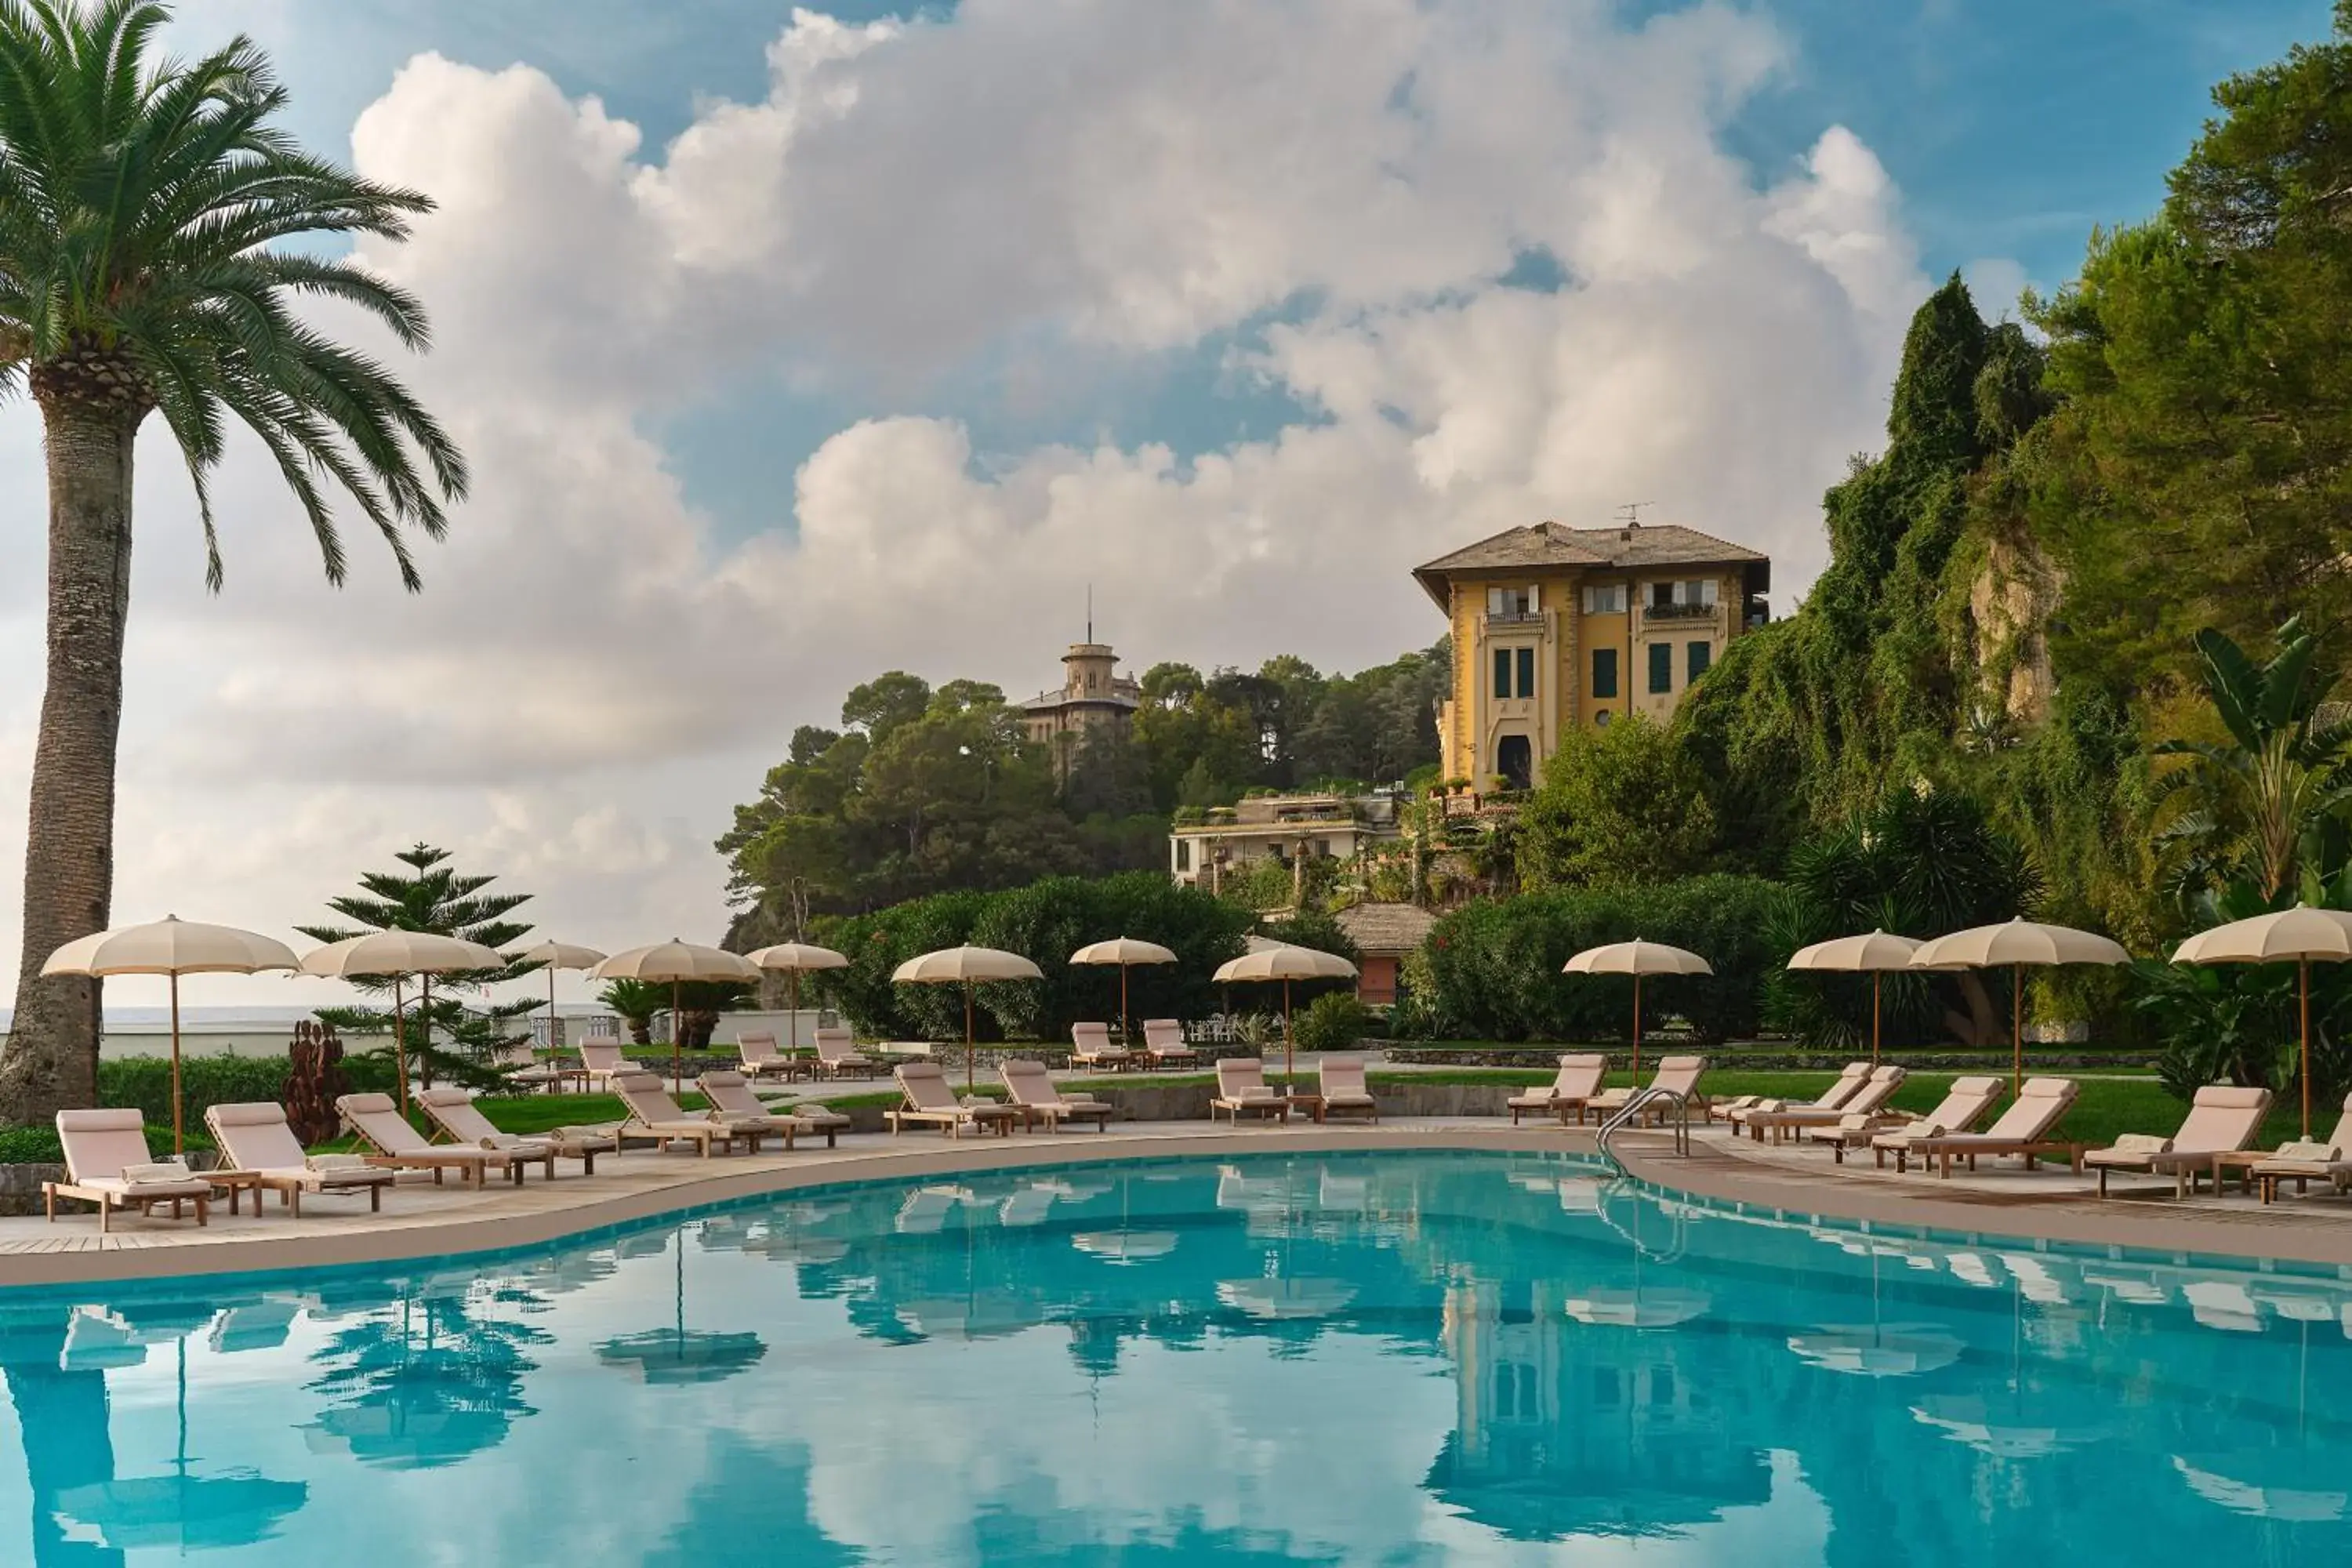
{"x":2302,"y":935}
{"x":1123,"y":950}
{"x":965,"y":966}
{"x":796,"y":958}
{"x":1637,"y":958}
{"x":1873,"y":953}
{"x":2013,"y":944}
{"x":171,"y":947}
{"x":399,"y":954}
{"x":678,"y":962}
{"x":1280,"y":961}
{"x":556,"y":955}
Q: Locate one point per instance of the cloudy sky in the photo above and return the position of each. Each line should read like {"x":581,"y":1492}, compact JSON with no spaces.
{"x":791,"y":346}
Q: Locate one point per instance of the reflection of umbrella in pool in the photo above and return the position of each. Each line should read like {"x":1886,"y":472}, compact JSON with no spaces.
{"x":260,"y":1325}
{"x":2290,"y":1484}
{"x":1651,"y":1307}
{"x":1878,"y":1350}
{"x":2015,"y":1428}
{"x":179,"y":1509}
{"x":1125,"y":1246}
{"x":680,"y":1355}
{"x":1284,"y":1300}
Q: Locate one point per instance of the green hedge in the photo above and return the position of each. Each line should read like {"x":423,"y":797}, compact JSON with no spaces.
{"x":1495,"y":966}
{"x":206,"y":1081}
{"x":1045,"y":922}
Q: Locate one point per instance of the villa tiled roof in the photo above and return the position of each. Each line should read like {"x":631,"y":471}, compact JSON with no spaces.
{"x":1630,"y":546}
{"x":1385,"y":930}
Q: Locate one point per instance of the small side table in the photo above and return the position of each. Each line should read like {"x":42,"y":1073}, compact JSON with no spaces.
{"x":2241,"y":1161}
{"x":1309,"y":1105}
{"x":237,"y":1183}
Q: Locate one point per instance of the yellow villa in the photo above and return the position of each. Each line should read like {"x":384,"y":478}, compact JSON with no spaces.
{"x":1556,"y":626}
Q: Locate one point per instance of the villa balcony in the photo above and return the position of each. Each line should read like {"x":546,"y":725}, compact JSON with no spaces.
{"x":1681,"y":615}
{"x":1512,"y":620}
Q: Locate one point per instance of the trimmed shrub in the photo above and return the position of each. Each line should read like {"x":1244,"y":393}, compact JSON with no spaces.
{"x":1335,"y":1023}
{"x":1495,"y":966}
{"x":206,"y":1081}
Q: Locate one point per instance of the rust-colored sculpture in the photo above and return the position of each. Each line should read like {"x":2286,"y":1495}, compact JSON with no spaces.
{"x":317,"y":1079}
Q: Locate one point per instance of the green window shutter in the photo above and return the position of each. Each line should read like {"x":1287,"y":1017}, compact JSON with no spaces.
{"x":1527,"y":672}
{"x":1604,"y":672}
{"x":1701,"y":654}
{"x":1662,"y":667}
{"x":1502,"y":672}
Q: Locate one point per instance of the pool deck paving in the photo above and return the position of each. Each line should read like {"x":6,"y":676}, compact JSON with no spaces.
{"x":421,"y":1220}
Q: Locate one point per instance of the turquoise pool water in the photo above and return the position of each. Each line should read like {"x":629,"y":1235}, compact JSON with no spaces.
{"x":1391,"y":1358}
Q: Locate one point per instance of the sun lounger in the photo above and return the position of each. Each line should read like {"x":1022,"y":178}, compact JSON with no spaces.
{"x":837,"y":1055}
{"x":1242,"y":1087}
{"x":453,"y":1110}
{"x":1869,"y":1100}
{"x":1163,"y":1044}
{"x":603,"y":1057}
{"x":1038,"y":1099}
{"x":1340,"y":1081}
{"x":107,"y":1163}
{"x":2222,"y":1118}
{"x":255,"y":1137}
{"x":1848,"y":1084}
{"x":521,"y":1066}
{"x":1969,"y":1101}
{"x":2325,"y":1160}
{"x":816,"y":1117}
{"x":761,"y":1058}
{"x":730,"y":1096}
{"x":2023,"y":1129}
{"x":931,"y":1103}
{"x":379,"y":1124}
{"x":1571,"y":1089}
{"x":1675,"y":1075}
{"x":1090,"y":1047}
{"x":655,"y":1118}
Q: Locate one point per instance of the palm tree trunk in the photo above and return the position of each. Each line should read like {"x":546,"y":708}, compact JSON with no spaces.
{"x":52,"y":1057}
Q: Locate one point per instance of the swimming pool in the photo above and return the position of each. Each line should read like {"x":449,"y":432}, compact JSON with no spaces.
{"x":1389,"y":1358}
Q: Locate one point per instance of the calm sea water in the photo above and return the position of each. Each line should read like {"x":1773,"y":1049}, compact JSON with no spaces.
{"x":1384,"y":1359}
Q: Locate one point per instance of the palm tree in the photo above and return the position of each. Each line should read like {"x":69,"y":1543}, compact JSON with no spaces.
{"x":141,"y":202}
{"x":2259,"y":808}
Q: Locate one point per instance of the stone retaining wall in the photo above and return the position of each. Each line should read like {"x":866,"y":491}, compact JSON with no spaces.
{"x":2037,"y":1059}
{"x":1143,"y":1100}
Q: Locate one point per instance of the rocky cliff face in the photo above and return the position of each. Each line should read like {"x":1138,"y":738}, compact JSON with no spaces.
{"x":2010,"y":602}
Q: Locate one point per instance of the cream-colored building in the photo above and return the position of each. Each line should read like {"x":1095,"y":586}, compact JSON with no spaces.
{"x":1285,"y":827}
{"x":1093,"y":695}
{"x":1556,"y":626}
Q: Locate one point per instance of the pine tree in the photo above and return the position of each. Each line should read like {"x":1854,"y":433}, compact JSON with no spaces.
{"x":434,"y":895}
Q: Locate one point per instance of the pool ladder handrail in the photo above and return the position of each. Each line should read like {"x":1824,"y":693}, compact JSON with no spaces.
{"x":1642,"y":1100}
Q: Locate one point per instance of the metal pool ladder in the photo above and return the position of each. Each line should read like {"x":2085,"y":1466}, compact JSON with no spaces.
{"x":1642,"y":1100}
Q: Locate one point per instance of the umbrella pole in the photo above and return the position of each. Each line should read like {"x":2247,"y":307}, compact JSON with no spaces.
{"x":1637,"y":1031}
{"x":424,"y":1017}
{"x":970,"y":1051}
{"x":1126,"y":1023}
{"x":553,"y":1042}
{"x":399,"y":1046}
{"x":2303,"y":965}
{"x":792,"y":1017}
{"x":1874,"y":978}
{"x":2017,"y":1028}
{"x":180,"y":1138}
{"x":1289,"y":1068}
{"x":677,"y":1044}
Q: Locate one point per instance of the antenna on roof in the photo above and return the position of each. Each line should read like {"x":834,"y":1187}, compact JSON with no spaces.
{"x":1630,"y":514}
{"x":1091,"y":612}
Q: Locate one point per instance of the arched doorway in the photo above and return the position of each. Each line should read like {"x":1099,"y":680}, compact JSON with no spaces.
{"x":1515,"y":760}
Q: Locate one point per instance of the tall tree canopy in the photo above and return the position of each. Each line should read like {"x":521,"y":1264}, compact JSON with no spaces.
{"x":142,"y":202}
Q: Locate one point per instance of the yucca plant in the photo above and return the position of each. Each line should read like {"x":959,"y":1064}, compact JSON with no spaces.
{"x":143,"y":205}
